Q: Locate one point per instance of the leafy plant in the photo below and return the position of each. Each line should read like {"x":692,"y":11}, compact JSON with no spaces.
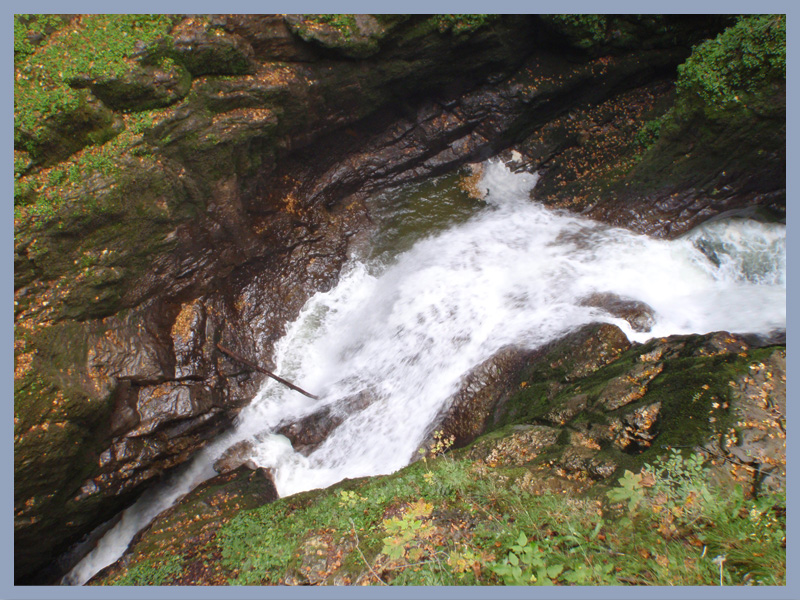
{"x":526,"y":563}
{"x":739,"y":62}
{"x":630,"y":490}
{"x":649,"y":133}
{"x":407,"y":533}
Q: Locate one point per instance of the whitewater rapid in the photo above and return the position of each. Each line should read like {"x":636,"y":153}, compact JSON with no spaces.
{"x":405,"y":329}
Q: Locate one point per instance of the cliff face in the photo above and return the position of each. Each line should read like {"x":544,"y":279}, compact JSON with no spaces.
{"x":194,"y":179}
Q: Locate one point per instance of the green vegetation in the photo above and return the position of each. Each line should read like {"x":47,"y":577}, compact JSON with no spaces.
{"x":586,"y":30}
{"x":606,"y":33}
{"x":345,"y":24}
{"x":649,"y":132}
{"x":737,"y":66}
{"x":411,"y":529}
{"x":28,"y":27}
{"x":151,"y":572}
{"x":90,"y":46}
{"x":730,"y":108}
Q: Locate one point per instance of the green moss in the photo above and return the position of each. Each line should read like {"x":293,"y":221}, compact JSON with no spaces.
{"x":92,"y":46}
{"x":691,"y":388}
{"x":345,"y":24}
{"x":32,"y":401}
{"x":151,"y":572}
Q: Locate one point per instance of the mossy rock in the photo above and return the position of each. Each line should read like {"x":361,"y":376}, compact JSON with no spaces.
{"x":85,"y":122}
{"x":726,"y":132}
{"x":353,"y":36}
{"x":204,"y":50}
{"x":674,"y":384}
{"x":96,"y":244}
{"x":600,"y":34}
{"x":144,"y":88}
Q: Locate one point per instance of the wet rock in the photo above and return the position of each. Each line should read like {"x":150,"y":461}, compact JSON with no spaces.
{"x":354,"y":36}
{"x":549,"y":370}
{"x":206,"y":50}
{"x":638,"y":314}
{"x":470,"y":183}
{"x":636,"y":430}
{"x":471,"y":408}
{"x":234,"y":457}
{"x":188,"y":341}
{"x":128,"y":421}
{"x":269,"y":36}
{"x":308,"y":433}
{"x":587,"y":350}
{"x":753,"y":449}
{"x":629,"y":387}
{"x":569,"y":409}
{"x":523,"y":445}
{"x":163,"y":404}
{"x":585,"y":461}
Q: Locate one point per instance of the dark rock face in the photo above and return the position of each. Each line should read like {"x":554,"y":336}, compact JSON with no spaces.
{"x":245,"y":203}
{"x":144,"y":88}
{"x":471,"y":408}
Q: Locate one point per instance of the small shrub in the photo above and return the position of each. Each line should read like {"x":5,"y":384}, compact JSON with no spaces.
{"x":740,"y":62}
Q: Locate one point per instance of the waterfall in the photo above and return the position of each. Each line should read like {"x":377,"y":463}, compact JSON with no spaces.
{"x":404,"y":329}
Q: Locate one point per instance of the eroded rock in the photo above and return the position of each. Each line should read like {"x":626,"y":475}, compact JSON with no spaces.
{"x":308,"y":433}
{"x":470,"y":410}
{"x":638,"y":314}
{"x":234,"y":457}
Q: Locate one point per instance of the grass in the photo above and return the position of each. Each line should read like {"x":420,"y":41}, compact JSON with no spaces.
{"x":444,"y":522}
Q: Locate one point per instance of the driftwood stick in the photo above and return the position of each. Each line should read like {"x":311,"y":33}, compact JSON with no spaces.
{"x":243,"y":360}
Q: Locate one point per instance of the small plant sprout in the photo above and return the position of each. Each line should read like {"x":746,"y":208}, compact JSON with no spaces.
{"x":719,"y":560}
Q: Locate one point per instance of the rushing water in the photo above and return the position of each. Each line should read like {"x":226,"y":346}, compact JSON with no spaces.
{"x":405,"y":328}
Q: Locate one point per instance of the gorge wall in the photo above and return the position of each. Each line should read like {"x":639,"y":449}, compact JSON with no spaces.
{"x":195,"y":186}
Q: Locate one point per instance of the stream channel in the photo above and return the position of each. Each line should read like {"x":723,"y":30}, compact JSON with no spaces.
{"x":447,"y":282}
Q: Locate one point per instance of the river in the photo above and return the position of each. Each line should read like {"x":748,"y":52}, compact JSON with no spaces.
{"x":445,"y":285}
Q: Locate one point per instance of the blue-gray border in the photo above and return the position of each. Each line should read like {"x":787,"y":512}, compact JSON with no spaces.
{"x":8,"y":591}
